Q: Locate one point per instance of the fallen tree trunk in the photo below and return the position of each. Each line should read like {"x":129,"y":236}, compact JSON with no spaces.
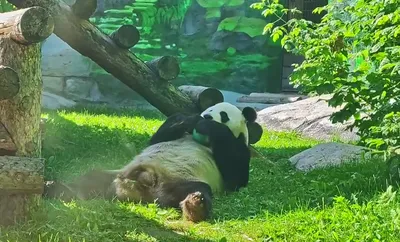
{"x":203,"y":97}
{"x":124,"y":65}
{"x":84,"y":8}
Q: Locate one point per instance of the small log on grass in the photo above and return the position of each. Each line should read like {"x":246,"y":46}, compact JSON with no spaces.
{"x":21,"y":186}
{"x":166,"y":67}
{"x":84,"y":8}
{"x":9,"y":83}
{"x":126,"y":36}
{"x":203,"y":97}
{"x":27,"y":26}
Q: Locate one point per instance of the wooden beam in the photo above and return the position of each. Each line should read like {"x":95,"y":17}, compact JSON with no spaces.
{"x":27,"y":26}
{"x":84,"y":9}
{"x":124,"y":65}
{"x":126,"y":36}
{"x":203,"y":97}
{"x":21,"y":186}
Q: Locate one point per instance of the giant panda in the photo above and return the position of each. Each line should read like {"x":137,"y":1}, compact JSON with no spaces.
{"x":175,"y":170}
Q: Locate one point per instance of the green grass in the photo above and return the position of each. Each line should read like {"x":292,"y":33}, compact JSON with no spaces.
{"x":345,"y":203}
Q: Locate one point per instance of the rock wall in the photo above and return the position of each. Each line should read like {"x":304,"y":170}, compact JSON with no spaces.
{"x":68,"y":79}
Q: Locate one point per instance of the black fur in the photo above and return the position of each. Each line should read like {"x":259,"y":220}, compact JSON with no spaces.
{"x":231,"y":154}
{"x":175,"y":127}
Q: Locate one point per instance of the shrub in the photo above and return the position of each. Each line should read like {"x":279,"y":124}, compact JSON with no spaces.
{"x":354,"y":54}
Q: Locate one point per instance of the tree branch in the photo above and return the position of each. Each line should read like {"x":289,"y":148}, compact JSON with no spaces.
{"x":124,"y":65}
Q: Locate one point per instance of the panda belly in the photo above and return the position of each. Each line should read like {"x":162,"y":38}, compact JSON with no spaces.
{"x":183,"y":159}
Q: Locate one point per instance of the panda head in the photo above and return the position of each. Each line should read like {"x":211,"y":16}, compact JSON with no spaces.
{"x":237,"y":120}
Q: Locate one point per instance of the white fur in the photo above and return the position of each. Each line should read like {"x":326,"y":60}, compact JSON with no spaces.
{"x":236,"y":123}
{"x":185,"y":158}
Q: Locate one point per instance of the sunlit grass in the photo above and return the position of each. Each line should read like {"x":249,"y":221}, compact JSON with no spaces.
{"x":280,"y":203}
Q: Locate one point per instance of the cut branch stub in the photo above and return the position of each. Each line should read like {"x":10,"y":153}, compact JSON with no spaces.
{"x":126,"y":36}
{"x":203,"y":97}
{"x":166,"y":67}
{"x":9,"y":83}
{"x":27,"y":26}
{"x":84,"y":8}
{"x":7,"y":145}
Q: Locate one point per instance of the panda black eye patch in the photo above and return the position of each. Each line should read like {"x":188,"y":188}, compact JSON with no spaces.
{"x":224,"y":117}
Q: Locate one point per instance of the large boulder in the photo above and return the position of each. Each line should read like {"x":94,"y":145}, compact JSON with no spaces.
{"x":309,"y":117}
{"x":328,"y":154}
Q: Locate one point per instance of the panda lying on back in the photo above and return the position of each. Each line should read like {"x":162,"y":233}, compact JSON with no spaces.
{"x":175,"y":170}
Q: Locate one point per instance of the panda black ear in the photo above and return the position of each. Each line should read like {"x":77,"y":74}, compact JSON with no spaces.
{"x":249,"y":114}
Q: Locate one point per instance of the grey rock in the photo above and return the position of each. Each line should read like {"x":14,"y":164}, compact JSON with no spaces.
{"x":328,"y":154}
{"x":53,"y":84}
{"x":78,"y":88}
{"x":59,"y":59}
{"x":309,"y":117}
{"x":53,"y":101}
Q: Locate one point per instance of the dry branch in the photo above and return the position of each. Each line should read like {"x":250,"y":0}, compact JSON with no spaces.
{"x":126,"y":36}
{"x":27,"y":26}
{"x":166,"y":67}
{"x":9,"y":83}
{"x":84,"y":8}
{"x":21,"y":185}
{"x":124,"y":65}
{"x":203,"y":97}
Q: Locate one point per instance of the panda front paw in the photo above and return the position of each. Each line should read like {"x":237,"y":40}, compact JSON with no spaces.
{"x":195,"y":207}
{"x":191,"y":122}
{"x":212,"y":129}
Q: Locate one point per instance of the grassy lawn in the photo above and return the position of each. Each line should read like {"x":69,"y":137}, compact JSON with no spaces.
{"x":280,"y":204}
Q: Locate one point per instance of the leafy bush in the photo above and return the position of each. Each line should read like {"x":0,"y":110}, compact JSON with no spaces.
{"x":353,"y":54}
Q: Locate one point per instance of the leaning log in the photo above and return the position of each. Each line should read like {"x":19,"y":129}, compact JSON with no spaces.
{"x":9,"y":83}
{"x":166,"y":67}
{"x":27,"y":26}
{"x":121,"y":63}
{"x":203,"y":97}
{"x":126,"y":36}
{"x":84,"y":8}
{"x":21,"y":187}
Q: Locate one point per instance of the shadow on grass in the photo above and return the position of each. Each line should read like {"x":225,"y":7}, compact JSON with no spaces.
{"x":277,"y":188}
{"x":72,"y":149}
{"x":95,"y":221}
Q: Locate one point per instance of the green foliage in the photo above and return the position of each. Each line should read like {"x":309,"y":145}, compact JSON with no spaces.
{"x":251,"y":26}
{"x":5,"y":6}
{"x":213,"y":7}
{"x":347,"y":203}
{"x":354,"y":54}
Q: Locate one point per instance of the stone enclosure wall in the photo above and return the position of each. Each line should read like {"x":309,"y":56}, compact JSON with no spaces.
{"x":68,"y":78}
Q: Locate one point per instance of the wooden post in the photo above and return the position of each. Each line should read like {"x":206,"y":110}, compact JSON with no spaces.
{"x":21,"y":169}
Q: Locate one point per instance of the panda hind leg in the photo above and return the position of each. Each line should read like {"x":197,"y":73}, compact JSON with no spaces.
{"x":194,"y":198}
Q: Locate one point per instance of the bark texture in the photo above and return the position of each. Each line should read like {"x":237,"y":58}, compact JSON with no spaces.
{"x":21,"y":186}
{"x":27,"y":26}
{"x":20,"y":115}
{"x":166,"y":67}
{"x":124,"y":65}
{"x":203,"y":97}
{"x":126,"y":36}
{"x":9,"y":83}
